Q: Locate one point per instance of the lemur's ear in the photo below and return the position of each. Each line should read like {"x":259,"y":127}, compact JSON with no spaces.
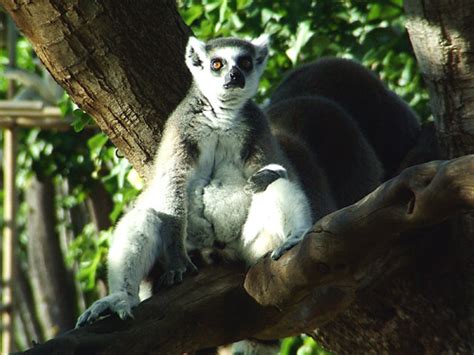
{"x":195,"y":51}
{"x":261,"y":46}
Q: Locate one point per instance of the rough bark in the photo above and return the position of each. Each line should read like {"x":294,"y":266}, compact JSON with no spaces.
{"x":109,"y":56}
{"x":52,"y":287}
{"x":308,"y":287}
{"x":442,"y":34}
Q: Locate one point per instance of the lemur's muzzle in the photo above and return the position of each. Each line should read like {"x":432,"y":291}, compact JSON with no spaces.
{"x":234,"y":78}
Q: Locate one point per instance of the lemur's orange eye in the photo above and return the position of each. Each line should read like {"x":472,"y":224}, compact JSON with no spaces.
{"x":216,"y":64}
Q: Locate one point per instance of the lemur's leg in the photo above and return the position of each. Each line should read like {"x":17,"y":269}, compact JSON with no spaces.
{"x":173,"y":255}
{"x":142,"y":237}
{"x":297,"y":218}
{"x":279,"y":215}
{"x":134,"y":249}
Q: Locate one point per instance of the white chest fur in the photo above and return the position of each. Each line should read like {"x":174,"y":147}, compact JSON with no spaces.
{"x":217,"y":203}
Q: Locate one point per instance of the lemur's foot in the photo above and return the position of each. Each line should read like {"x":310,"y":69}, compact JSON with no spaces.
{"x":175,"y":271}
{"x":259,"y":181}
{"x":118,"y":302}
{"x":287,"y":245}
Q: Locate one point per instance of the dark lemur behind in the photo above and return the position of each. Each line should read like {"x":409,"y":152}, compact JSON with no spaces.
{"x":387,"y":122}
{"x":341,"y":150}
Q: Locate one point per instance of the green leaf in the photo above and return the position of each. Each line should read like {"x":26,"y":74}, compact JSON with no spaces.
{"x":134,"y":179}
{"x":407,"y":73}
{"x":269,"y":14}
{"x":289,"y":346}
{"x":97,"y":141}
{"x":236,"y":21}
{"x":212,"y":6}
{"x":192,"y":14}
{"x":222,"y":11}
{"x":303,"y":35}
{"x":242,"y":4}
{"x":81,"y":120}
{"x":66,"y":105}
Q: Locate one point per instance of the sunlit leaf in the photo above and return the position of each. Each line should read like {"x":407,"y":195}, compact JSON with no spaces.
{"x":303,"y":35}
{"x":134,"y":179}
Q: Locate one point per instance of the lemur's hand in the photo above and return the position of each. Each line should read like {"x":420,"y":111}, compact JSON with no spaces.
{"x":259,"y":181}
{"x":289,"y":243}
{"x":178,"y":264}
{"x":117,"y":302}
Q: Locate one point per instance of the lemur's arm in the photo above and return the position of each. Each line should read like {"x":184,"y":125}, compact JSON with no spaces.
{"x":154,"y":230}
{"x":167,"y":196}
{"x":263,"y":150}
{"x":279,"y":215}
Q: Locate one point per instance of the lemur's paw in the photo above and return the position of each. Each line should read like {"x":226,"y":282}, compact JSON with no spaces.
{"x":119,"y":302}
{"x":287,"y":245}
{"x":176,"y":270}
{"x":259,"y":181}
{"x":278,"y":252}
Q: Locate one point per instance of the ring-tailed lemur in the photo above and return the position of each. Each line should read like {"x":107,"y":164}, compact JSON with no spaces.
{"x":220,"y":178}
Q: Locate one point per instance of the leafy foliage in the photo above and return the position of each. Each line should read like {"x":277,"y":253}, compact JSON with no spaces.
{"x":371,"y":32}
{"x":302,"y":345}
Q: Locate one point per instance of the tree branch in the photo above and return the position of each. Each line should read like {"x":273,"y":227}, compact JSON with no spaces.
{"x":117,"y":61}
{"x":309,"y":286}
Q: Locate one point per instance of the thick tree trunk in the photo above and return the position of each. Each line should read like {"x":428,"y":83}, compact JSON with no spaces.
{"x":442,"y":34}
{"x":120,"y":61}
{"x":52,"y":286}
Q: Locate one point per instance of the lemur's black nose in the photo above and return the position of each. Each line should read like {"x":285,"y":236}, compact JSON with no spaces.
{"x":234,"y":78}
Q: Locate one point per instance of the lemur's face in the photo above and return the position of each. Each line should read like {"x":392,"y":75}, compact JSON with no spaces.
{"x":227,"y":70}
